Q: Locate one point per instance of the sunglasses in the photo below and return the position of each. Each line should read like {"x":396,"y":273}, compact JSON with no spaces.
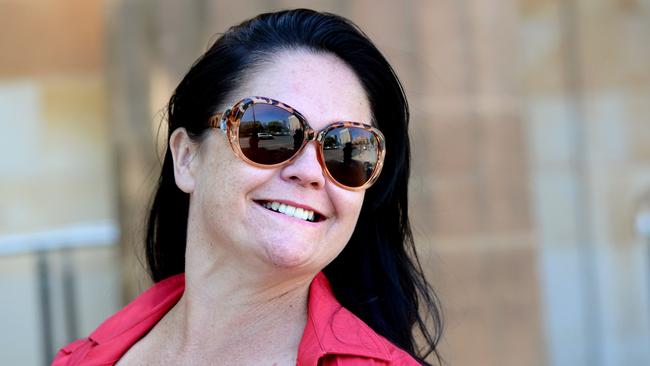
{"x":266,"y":133}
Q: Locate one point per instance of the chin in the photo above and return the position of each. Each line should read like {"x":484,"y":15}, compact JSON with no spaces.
{"x":290,"y":255}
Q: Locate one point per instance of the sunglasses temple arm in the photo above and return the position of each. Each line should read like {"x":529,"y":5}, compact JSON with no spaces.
{"x":218,"y":122}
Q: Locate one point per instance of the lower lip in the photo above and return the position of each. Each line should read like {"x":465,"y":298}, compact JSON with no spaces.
{"x":287,"y":217}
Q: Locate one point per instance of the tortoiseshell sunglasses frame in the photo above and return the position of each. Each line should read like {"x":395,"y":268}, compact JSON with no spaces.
{"x":228,"y":123}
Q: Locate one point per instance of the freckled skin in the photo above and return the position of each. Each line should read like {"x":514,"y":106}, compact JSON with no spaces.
{"x":226,"y":226}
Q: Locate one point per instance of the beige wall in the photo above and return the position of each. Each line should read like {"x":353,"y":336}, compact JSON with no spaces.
{"x":56,"y":176}
{"x":56,"y":139}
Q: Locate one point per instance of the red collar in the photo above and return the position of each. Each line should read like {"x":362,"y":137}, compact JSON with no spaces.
{"x":330,"y":330}
{"x":333,"y":329}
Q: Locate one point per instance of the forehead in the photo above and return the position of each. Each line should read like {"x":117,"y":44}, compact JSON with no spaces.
{"x":319,"y":85}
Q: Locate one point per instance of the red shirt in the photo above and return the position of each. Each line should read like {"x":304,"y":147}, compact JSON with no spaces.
{"x":332,"y":336}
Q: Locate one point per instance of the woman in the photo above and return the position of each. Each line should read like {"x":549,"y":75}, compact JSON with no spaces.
{"x":271,"y":211}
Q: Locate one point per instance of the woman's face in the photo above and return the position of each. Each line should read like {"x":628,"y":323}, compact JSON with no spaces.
{"x":226,"y":194}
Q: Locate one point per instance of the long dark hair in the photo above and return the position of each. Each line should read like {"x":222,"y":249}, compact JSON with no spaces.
{"x":378,"y":275}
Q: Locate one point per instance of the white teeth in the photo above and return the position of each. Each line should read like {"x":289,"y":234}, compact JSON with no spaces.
{"x":297,"y":212}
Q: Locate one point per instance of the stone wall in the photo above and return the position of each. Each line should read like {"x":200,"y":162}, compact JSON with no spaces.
{"x":57,"y":187}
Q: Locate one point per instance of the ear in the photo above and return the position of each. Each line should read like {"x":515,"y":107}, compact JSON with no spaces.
{"x":184,"y":150}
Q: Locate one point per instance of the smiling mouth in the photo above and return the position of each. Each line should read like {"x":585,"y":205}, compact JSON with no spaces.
{"x":291,"y":211}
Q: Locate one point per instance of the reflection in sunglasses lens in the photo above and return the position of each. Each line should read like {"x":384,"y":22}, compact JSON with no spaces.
{"x":350,"y":155}
{"x":269,"y":134}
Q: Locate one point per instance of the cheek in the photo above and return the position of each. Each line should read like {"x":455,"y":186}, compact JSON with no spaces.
{"x":222,"y":183}
{"x":348,"y":206}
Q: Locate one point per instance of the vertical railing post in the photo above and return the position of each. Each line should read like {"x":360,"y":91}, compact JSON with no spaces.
{"x":44,"y":296}
{"x":69,"y":295}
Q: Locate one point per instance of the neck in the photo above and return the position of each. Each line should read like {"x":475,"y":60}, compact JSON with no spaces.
{"x":216,"y":305}
{"x":226,"y":311}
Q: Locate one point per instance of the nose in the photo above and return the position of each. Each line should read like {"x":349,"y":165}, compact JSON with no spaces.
{"x":305,"y":170}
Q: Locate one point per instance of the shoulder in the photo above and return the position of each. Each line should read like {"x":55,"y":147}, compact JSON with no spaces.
{"x":397,"y":357}
{"x":106,"y":344}
{"x":341,"y":360}
{"x":335,"y":336}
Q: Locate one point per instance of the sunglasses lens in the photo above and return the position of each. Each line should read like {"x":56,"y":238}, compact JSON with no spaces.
{"x":269,"y":135}
{"x":351,"y":155}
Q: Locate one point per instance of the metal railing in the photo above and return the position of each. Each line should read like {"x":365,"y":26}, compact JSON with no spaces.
{"x":63,"y":240}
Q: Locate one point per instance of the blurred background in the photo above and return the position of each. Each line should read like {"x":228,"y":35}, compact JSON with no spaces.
{"x":531,"y":152}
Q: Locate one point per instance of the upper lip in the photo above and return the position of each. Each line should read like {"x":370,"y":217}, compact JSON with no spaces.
{"x":294,"y":204}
